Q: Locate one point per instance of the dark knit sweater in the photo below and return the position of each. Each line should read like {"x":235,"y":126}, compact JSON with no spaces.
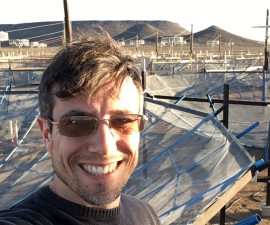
{"x":46,"y":208}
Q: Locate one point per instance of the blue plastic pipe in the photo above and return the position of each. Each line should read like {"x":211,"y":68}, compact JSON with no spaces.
{"x":259,"y":163}
{"x":247,"y":130}
{"x":250,"y":220}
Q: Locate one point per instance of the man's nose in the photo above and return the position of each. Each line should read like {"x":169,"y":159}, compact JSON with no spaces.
{"x":103,"y":141}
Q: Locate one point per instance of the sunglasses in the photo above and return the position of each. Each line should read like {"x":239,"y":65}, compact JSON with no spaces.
{"x":79,"y":126}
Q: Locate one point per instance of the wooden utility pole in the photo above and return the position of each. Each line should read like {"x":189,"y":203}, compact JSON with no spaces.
{"x":191,"y":44}
{"x":64,"y":34}
{"x":68,"y":33}
{"x":266,"y":53}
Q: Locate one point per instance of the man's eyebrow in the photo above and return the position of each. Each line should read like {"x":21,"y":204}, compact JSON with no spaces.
{"x":84,"y":113}
{"x":120,"y":112}
{"x":76,"y":113}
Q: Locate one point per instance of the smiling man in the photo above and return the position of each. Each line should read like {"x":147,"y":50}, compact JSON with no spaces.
{"x":90,"y":100}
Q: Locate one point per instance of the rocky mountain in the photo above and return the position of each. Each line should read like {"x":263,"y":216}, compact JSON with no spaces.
{"x":212,"y":33}
{"x":142,"y":30}
{"x":51,"y":32}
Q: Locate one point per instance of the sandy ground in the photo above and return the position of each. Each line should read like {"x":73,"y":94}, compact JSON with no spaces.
{"x":249,"y":200}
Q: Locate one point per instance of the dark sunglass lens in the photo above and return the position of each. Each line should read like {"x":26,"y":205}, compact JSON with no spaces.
{"x":77,"y":126}
{"x":126,"y":124}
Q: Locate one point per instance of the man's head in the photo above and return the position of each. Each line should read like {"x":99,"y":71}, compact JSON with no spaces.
{"x":91,"y":62}
{"x":89,"y":99}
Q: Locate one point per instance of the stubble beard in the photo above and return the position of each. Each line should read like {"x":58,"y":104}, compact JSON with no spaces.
{"x":101,"y":196}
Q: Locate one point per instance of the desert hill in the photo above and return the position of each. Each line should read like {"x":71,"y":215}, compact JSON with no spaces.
{"x":51,"y":32}
{"x":142,"y":30}
{"x":48,"y":31}
{"x":211,"y":33}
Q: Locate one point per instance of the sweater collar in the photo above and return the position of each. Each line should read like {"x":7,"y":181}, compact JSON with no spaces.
{"x":78,"y":210}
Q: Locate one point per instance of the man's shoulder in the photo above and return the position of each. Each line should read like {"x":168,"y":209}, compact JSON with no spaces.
{"x":125,"y":197}
{"x":32,"y":201}
{"x":20,"y":216}
{"x":27,"y":211}
{"x":132,"y":201}
{"x":141,"y":209}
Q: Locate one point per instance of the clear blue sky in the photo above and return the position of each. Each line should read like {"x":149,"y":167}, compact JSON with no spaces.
{"x":235,"y":16}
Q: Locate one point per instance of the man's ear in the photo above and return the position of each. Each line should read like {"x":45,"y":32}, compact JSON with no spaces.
{"x":45,"y":131}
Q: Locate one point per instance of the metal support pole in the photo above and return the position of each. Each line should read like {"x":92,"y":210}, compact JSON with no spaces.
{"x":157,"y":44}
{"x":226,"y":123}
{"x":264,"y":86}
{"x":226,"y":105}
{"x":191,"y":44}
{"x":266,"y":53}
{"x":219,"y":45}
{"x":152,"y":68}
{"x":265,"y":68}
{"x":143,"y":80}
{"x":145,"y":160}
{"x":268,"y":172}
{"x":67,"y":23}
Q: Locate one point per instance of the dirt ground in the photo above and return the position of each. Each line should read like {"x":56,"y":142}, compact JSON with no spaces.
{"x":249,"y":200}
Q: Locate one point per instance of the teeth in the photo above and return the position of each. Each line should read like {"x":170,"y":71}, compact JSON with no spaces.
{"x":87,"y":168}
{"x":94,"y":170}
{"x":106,"y":169}
{"x":100,"y":170}
{"x":111,"y":168}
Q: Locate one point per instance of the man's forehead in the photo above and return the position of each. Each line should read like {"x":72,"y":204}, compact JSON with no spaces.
{"x":127,"y":83}
{"x":112,"y":91}
{"x":127,"y":92}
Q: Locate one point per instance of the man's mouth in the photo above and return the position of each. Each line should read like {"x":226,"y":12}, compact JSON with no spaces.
{"x":99,"y":170}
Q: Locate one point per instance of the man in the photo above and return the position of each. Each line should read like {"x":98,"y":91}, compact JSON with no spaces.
{"x":90,"y":100}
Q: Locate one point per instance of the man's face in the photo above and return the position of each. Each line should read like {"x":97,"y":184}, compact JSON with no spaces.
{"x":114,"y":156}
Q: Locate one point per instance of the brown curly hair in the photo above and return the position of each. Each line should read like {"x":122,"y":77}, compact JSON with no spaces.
{"x":88,"y":63}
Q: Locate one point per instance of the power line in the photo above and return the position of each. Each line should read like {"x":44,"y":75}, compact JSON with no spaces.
{"x":34,"y":27}
{"x":149,"y":36}
{"x":53,"y":41}
{"x":141,"y":38}
{"x":44,"y":35}
{"x":48,"y":39}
